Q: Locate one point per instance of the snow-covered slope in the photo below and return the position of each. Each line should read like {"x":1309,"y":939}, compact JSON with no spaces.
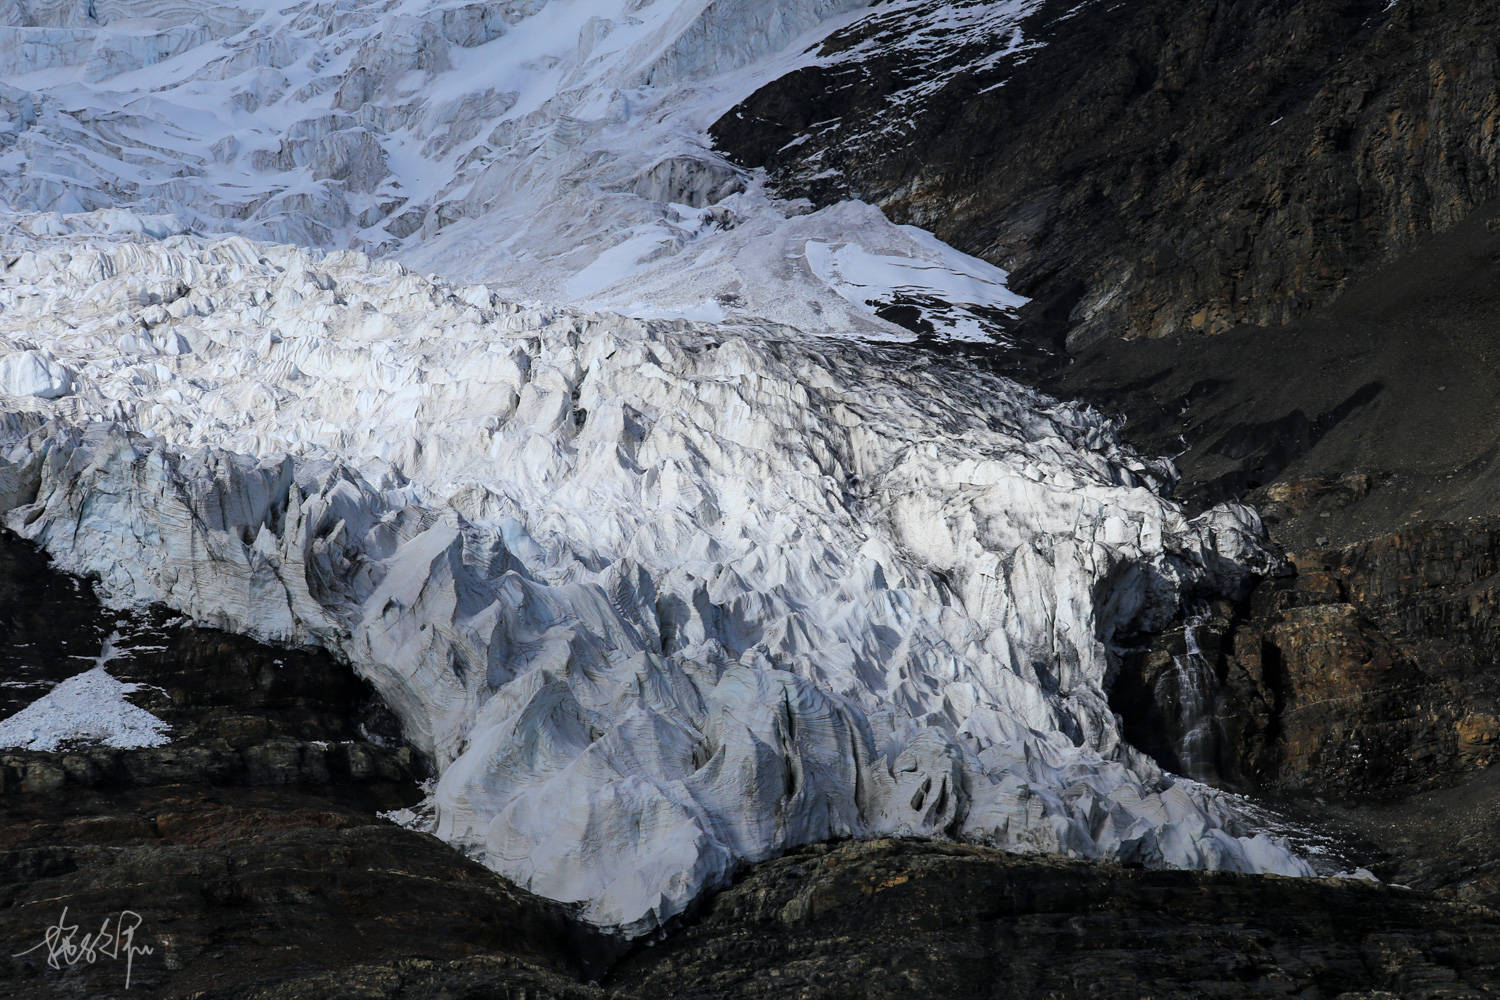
{"x":556,"y":149}
{"x":87,"y":708}
{"x":659,"y":595}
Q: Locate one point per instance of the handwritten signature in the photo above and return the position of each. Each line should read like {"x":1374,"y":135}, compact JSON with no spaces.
{"x":64,"y":946}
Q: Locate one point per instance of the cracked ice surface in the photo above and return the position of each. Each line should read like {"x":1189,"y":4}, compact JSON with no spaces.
{"x":554,"y":148}
{"x":659,"y":597}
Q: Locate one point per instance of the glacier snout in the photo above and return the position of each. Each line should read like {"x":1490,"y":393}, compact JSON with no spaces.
{"x":658,"y":598}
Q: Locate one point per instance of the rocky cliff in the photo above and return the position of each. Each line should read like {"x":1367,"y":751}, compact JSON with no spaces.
{"x":1152,"y":168}
{"x":1363,"y":684}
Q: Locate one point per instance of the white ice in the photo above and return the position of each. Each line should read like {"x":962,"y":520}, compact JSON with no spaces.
{"x":555,"y":148}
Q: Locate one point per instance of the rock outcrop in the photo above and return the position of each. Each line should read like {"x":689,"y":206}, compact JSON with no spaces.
{"x":1361,"y":687}
{"x":1364,"y":681}
{"x":248,"y":847}
{"x":905,"y":919}
{"x":1154,"y":168}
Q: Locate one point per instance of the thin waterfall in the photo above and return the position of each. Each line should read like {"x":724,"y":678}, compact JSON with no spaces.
{"x":1189,"y":693}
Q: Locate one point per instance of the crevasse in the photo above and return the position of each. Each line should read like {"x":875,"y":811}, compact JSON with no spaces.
{"x":553,"y":148}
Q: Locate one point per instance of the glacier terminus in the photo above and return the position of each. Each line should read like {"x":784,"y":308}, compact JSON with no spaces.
{"x":447,"y":343}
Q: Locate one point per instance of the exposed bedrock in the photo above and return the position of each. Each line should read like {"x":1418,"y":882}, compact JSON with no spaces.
{"x":908,"y":919}
{"x":1363,"y":685}
{"x":1205,"y":165}
{"x":1365,"y":680}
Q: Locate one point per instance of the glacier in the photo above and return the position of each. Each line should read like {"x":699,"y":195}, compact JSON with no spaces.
{"x":658,"y":597}
{"x":436,"y":335}
{"x":555,"y":149}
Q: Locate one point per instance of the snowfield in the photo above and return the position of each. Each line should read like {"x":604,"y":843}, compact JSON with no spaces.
{"x":659,"y":593}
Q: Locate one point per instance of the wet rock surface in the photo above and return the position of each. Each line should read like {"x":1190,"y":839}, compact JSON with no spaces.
{"x":1362,"y":686}
{"x":1367,"y":672}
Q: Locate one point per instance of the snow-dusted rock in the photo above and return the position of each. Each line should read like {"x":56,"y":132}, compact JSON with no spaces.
{"x":658,"y":597}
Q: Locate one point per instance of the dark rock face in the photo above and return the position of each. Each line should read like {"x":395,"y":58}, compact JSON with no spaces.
{"x":1158,"y":167}
{"x":1385,"y":654}
{"x":907,"y":919}
{"x":1366,"y":681}
{"x":1360,"y":688}
{"x":236,"y":887}
{"x":249,"y":845}
{"x":495,"y":976}
{"x":1367,"y":674}
{"x":35,"y":653}
{"x":240,"y":713}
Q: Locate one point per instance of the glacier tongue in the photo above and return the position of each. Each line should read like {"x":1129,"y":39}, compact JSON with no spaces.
{"x":659,"y":597}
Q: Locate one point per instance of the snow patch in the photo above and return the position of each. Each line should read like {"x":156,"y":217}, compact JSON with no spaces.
{"x":87,"y":708}
{"x":929,"y":268}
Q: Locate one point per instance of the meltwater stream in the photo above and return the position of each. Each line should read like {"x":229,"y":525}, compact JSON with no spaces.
{"x":1191,"y":689}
